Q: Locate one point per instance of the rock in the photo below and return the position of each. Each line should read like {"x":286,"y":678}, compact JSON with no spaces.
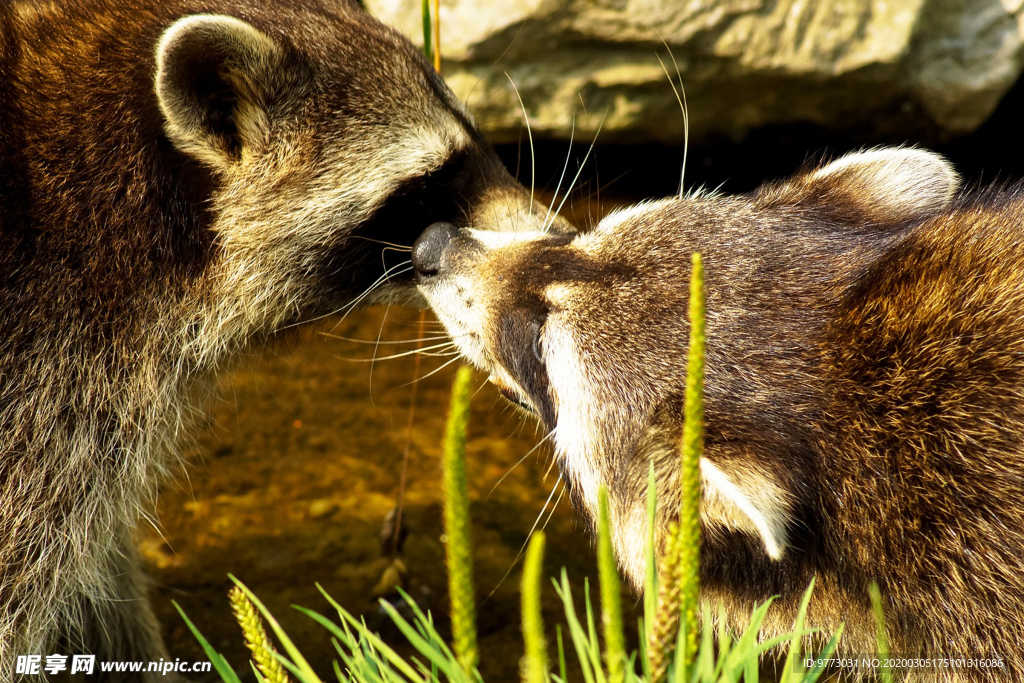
{"x":933,"y":68}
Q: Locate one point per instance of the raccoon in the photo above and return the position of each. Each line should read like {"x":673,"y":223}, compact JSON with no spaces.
{"x":864,"y":389}
{"x":180,"y":181}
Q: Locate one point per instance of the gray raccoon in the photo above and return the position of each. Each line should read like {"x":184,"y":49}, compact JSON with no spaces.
{"x":179,"y":181}
{"x":864,"y":382}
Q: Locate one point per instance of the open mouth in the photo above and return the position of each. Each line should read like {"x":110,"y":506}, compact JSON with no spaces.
{"x":513,"y":396}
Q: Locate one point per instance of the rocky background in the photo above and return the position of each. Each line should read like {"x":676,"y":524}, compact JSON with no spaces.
{"x":933,"y":68}
{"x":296,"y":464}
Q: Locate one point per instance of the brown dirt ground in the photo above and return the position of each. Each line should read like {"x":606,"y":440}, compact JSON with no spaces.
{"x":293,"y":469}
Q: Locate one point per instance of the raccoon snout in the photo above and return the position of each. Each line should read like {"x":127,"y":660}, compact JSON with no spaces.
{"x":429,"y":248}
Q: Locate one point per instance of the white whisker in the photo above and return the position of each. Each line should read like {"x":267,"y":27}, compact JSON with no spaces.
{"x":529,"y":133}
{"x":522,"y":550}
{"x":519,"y":462}
{"x":433,"y":372}
{"x":450,"y":345}
{"x":382,"y":342}
{"x":682,"y":106}
{"x":396,"y":247}
{"x":345,"y":310}
{"x":686,"y":121}
{"x":580,"y":170}
{"x":551,"y":466}
{"x":565,"y":167}
{"x":553,"y":508}
{"x":376,"y":347}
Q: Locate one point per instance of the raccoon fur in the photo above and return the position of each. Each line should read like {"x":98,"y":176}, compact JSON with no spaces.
{"x":181,"y":180}
{"x":864,"y":389}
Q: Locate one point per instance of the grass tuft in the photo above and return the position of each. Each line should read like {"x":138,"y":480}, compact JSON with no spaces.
{"x":678,"y":590}
{"x":692,"y":450}
{"x":264,"y":654}
{"x":535,"y":665}
{"x":456,"y":525}
{"x":611,"y":594}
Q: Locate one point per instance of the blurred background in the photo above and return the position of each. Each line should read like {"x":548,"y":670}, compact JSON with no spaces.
{"x":296,"y":464}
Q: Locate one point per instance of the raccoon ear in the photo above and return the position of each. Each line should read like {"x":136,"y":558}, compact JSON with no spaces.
{"x":748,"y":501}
{"x":883,"y":186}
{"x":216,"y":78}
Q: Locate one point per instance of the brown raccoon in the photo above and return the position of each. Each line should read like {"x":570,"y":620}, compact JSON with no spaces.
{"x":181,"y":180}
{"x":865,"y":388}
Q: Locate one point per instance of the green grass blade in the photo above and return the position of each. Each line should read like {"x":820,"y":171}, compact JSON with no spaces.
{"x":651,"y":582}
{"x":456,"y":523}
{"x":748,"y":640}
{"x":751,"y":669}
{"x":220,"y":664}
{"x":703,"y":668}
{"x":380,"y":666}
{"x":536,"y":669}
{"x":611,"y":594}
{"x":375,"y":642}
{"x":349,"y":660}
{"x":645,"y":662}
{"x":350,"y":621}
{"x":561,"y":654}
{"x":580,"y":641}
{"x":594,"y":645}
{"x":746,"y":651}
{"x":631,"y":666}
{"x":301,"y":675}
{"x":444,"y":662}
{"x":692,"y":450}
{"x":766,"y":645}
{"x":338,"y":673}
{"x":724,"y":649}
{"x":792,"y":670}
{"x":427,"y":32}
{"x":883,"y":642}
{"x":815,"y":671}
{"x":425,"y":625}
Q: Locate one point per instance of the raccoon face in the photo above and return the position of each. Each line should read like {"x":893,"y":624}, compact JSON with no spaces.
{"x":330,"y":144}
{"x":590,"y":333}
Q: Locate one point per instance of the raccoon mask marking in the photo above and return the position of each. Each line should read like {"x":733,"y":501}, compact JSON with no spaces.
{"x":864,"y":362}
{"x":180,"y":181}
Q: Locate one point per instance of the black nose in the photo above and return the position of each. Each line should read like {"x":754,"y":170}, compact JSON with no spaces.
{"x":429,"y":248}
